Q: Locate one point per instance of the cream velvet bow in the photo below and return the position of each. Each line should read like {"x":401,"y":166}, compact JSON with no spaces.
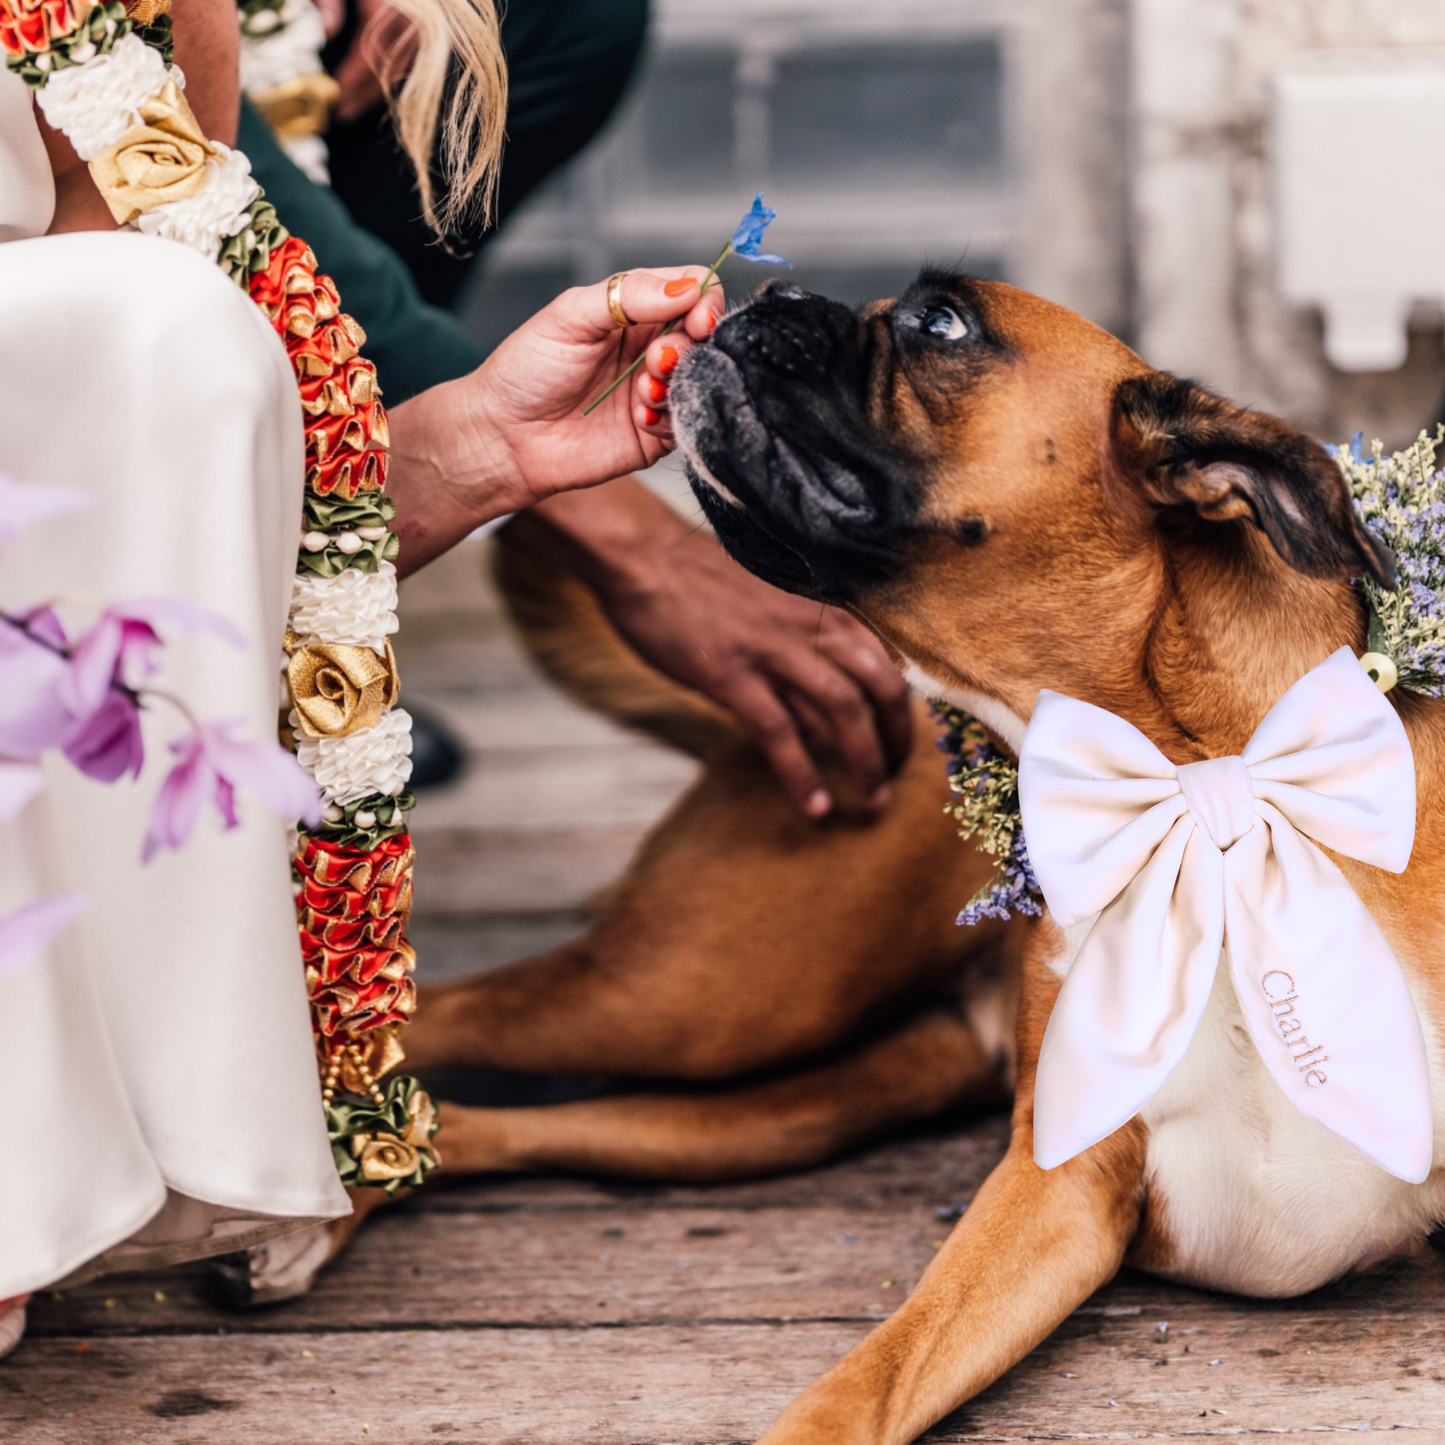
{"x":1179,"y":862}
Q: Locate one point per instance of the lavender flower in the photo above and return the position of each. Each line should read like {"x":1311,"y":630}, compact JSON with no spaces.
{"x":1013,"y":889}
{"x":985,"y":785}
{"x":34,"y":674}
{"x":108,"y":744}
{"x":1401,"y":501}
{"x":123,"y":646}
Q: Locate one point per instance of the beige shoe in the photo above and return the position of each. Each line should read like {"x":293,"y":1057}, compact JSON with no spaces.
{"x":12,"y":1328}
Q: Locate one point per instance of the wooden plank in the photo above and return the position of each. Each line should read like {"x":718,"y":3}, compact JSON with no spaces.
{"x":678,"y":1266}
{"x":563,"y":1268}
{"x":517,"y":871}
{"x":704,"y":1385}
{"x":440,"y":659}
{"x":457,"y":588}
{"x":547,"y":789}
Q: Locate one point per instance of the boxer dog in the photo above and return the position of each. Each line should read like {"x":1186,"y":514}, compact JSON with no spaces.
{"x":1013,"y":500}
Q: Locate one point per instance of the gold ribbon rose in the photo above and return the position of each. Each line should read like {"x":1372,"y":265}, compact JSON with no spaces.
{"x":383,"y":1157}
{"x":339,"y":689}
{"x":161,"y":159}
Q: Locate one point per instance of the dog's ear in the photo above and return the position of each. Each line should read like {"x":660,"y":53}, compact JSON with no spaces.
{"x":1182,"y":446}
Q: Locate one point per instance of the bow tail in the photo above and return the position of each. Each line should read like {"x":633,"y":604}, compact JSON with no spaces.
{"x":1324,"y":998}
{"x":1133,"y":998}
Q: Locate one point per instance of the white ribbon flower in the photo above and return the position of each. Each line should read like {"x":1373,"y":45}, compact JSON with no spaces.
{"x":96,"y":103}
{"x":1179,"y":862}
{"x":355,"y":608}
{"x":358,"y":765}
{"x":216,"y":212}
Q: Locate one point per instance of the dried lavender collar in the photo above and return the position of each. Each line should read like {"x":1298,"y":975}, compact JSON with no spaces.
{"x":1401,"y":501}
{"x":985,"y":787}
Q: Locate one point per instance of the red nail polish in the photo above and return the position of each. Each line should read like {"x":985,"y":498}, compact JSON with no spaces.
{"x":680,"y":287}
{"x":667,"y":359}
{"x":712,"y":321}
{"x":656,"y":390}
{"x":651,"y":417}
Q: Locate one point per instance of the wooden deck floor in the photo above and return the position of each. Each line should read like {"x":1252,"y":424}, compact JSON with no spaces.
{"x":564,"y":1312}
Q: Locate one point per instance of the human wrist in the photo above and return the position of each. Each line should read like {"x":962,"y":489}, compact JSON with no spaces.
{"x":448,"y":474}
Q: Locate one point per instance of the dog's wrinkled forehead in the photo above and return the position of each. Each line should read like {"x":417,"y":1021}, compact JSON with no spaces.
{"x":805,"y":424}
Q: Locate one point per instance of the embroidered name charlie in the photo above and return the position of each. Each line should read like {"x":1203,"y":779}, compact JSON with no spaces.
{"x":1291,"y":1028}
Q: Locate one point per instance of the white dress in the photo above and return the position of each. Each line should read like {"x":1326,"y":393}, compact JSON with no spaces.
{"x":158,"y":1060}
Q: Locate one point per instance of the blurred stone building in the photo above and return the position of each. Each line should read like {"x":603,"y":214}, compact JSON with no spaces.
{"x":1115,"y":155}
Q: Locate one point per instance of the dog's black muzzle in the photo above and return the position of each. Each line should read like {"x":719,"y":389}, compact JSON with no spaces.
{"x":772,"y":421}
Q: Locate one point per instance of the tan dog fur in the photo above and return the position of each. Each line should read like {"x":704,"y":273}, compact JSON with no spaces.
{"x":807,"y":984}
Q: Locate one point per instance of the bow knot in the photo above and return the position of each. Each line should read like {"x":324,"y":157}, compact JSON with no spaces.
{"x":1172,"y":866}
{"x":1220,"y":795}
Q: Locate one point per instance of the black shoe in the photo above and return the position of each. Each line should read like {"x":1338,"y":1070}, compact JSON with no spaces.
{"x":436,"y":756}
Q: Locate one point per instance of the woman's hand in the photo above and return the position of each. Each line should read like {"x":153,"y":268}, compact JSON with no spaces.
{"x":528,"y":398}
{"x":513,"y":433}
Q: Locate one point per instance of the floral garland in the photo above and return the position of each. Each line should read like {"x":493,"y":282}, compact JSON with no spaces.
{"x":1400,"y":499}
{"x":281,"y":73}
{"x":101,"y":73}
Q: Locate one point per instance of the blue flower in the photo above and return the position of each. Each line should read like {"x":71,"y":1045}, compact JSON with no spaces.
{"x":749,"y":235}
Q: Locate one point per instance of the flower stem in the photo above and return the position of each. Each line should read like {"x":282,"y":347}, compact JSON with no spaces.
{"x":136,"y":694}
{"x":161,"y":695}
{"x":671,"y":326}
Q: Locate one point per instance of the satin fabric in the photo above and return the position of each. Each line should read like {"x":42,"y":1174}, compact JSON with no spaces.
{"x":27,"y":190}
{"x":160,"y":1053}
{"x":1181,"y":862}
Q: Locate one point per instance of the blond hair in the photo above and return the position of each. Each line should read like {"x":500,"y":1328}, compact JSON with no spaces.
{"x":474,"y":125}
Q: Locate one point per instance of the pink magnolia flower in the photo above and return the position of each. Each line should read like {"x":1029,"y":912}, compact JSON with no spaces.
{"x":211,"y":765}
{"x":22,"y":504}
{"x":33,"y":675}
{"x":39,"y":708}
{"x":124,"y":645}
{"x":82,"y":698}
{"x":108,"y":744}
{"x":19,"y":783}
{"x":30,"y":930}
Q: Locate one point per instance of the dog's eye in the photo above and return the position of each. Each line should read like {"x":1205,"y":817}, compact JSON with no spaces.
{"x":943,"y":323}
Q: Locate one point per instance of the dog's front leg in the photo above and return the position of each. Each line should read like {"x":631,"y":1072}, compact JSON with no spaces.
{"x":1031,"y":1248}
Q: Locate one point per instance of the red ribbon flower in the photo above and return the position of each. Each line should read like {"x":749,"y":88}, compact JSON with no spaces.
{"x":31,"y":27}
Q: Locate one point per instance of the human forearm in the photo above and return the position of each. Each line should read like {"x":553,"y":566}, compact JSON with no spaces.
{"x":447,"y":476}
{"x":517,"y":430}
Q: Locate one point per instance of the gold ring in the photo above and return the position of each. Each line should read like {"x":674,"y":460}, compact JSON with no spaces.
{"x":614,"y":301}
